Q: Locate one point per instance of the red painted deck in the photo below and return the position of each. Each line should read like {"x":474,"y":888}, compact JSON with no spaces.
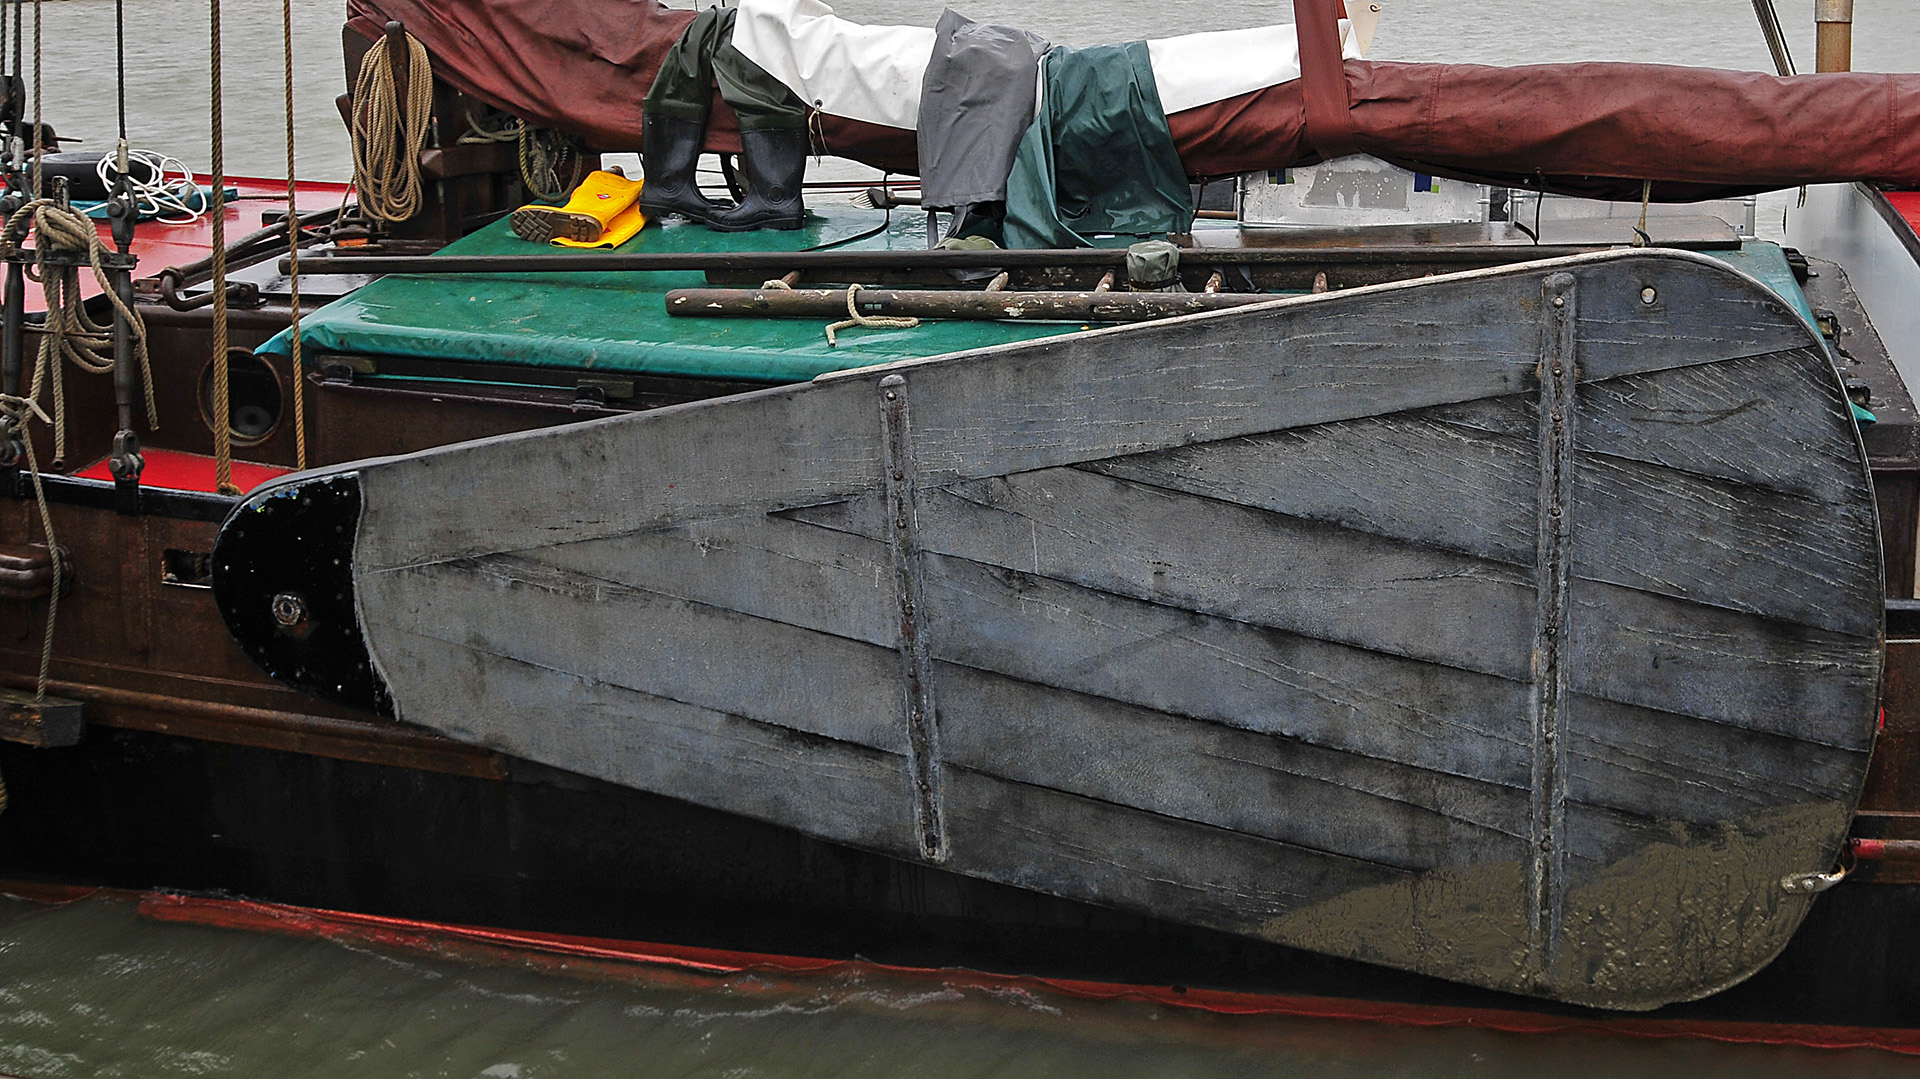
{"x":159,"y":245}
{"x":176,"y":471}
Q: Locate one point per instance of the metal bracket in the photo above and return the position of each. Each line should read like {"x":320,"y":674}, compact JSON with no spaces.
{"x":916,"y":663}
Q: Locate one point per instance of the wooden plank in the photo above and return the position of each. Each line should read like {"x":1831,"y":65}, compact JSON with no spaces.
{"x":1743,"y":670}
{"x":1755,"y":420}
{"x":1089,"y":850}
{"x":625,"y":636}
{"x":1060,"y":401}
{"x":1221,"y":671}
{"x":40,"y":721}
{"x":765,"y":566}
{"x":1736,"y":547}
{"x":1358,"y":475}
{"x":1680,"y":768}
{"x":1255,"y":784}
{"x":833,"y":789}
{"x":1697,"y":315}
{"x":1230,"y":561}
{"x":1772,"y":553}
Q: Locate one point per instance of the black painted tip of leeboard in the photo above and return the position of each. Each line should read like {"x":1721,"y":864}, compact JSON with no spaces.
{"x":283,"y":578}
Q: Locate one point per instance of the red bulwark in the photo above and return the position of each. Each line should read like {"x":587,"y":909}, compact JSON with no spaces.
{"x":1908,"y":205}
{"x":176,"y":471}
{"x":158,"y":245}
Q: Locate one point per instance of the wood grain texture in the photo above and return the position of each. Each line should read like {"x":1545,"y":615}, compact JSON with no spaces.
{"x":850,"y":793}
{"x":1233,"y":619}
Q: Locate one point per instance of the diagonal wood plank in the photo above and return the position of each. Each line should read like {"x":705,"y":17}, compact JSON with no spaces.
{"x":1230,"y":561}
{"x":620,"y":635}
{"x":1257,"y":784}
{"x":849,"y":793}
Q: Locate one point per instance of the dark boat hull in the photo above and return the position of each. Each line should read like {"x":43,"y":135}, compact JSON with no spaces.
{"x":549,"y":851}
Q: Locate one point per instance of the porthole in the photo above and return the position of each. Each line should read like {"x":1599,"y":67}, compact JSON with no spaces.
{"x":254,"y":397}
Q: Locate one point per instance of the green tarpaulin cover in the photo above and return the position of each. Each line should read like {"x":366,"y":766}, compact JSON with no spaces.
{"x":1098,"y":157}
{"x":618,"y":322}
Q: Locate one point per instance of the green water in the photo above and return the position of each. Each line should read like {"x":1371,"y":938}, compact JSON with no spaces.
{"x":93,"y":989}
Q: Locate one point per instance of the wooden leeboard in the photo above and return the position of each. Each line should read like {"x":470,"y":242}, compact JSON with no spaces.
{"x":1518,"y":627}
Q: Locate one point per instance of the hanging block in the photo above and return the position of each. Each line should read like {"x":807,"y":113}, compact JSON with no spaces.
{"x":48,"y":722}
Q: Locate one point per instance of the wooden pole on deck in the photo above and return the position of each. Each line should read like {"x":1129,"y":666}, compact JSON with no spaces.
{"x":1833,"y":45}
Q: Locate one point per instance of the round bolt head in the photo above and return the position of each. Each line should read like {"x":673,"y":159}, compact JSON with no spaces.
{"x":289,"y":609}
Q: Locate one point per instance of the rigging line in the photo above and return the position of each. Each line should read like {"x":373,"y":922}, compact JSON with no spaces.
{"x":217,"y":213}
{"x":1776,"y":39}
{"x":120,"y":62}
{"x":293,"y":255}
{"x":39,"y":135}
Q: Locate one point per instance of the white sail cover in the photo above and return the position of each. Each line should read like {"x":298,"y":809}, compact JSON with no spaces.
{"x":874,"y":73}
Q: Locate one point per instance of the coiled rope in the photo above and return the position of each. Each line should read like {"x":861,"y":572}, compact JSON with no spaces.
{"x":70,"y":334}
{"x":163,"y":186}
{"x":387,"y":138}
{"x":543,"y":152}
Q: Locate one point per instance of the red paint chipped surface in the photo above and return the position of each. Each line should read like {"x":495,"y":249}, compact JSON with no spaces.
{"x":158,"y":245}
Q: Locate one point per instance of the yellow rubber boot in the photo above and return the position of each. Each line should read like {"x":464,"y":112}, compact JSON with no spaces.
{"x":623,"y":228}
{"x":593,"y":206}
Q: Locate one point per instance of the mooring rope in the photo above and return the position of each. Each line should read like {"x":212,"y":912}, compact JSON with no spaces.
{"x":387,"y":137}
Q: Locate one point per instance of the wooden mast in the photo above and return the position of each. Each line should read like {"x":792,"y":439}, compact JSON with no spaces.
{"x":1833,"y":45}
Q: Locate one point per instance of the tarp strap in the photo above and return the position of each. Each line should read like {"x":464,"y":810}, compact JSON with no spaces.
{"x":1323,"y":80}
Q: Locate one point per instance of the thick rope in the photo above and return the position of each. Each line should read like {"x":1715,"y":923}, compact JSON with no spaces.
{"x":217,"y":214}
{"x":542,"y":152}
{"x":293,"y":254}
{"x":70,"y":334}
{"x":14,"y":413}
{"x":386,"y":139}
{"x":855,"y":318}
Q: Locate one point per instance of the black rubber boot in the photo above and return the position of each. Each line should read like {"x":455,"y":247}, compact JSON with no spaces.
{"x":670,"y":148}
{"x":775,"y":161}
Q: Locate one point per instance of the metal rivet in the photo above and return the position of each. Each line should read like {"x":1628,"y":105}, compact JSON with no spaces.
{"x":1559,"y":301}
{"x":1648,"y":295}
{"x":891,"y":395}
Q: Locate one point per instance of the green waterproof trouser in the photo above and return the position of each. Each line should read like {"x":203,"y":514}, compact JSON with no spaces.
{"x":704,"y":56}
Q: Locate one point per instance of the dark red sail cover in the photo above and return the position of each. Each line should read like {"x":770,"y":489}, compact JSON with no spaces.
{"x":1591,"y":129}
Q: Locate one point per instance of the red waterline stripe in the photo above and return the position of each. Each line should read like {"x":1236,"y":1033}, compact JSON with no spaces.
{"x":434,"y":936}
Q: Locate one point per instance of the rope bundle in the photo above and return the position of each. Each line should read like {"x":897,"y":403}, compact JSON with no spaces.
{"x":387,"y":137}
{"x":543,"y":152}
{"x":71,"y":335}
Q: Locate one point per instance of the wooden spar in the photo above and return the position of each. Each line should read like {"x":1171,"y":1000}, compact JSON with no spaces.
{"x":1833,"y":45}
{"x":774,"y":263}
{"x":953,"y":304}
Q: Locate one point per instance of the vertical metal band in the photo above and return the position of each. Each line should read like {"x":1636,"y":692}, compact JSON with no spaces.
{"x":1553,"y":554}
{"x":923,"y":742}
